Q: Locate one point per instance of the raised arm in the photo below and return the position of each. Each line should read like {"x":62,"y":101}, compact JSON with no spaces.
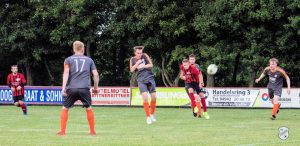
{"x":150,"y":64}
{"x":133,"y":67}
{"x":262,"y":75}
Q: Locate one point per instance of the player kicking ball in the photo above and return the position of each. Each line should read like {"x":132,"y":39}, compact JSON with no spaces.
{"x":275,"y":84}
{"x":190,"y":75}
{"x":192,"y":61}
{"x":142,"y":64}
{"x":16,"y":82}
{"x":76,"y":85}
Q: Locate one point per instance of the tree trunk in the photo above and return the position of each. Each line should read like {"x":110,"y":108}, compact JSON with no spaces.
{"x":236,"y":65}
{"x":210,"y":81}
{"x":165,"y":73}
{"x":29,"y":75}
{"x":49,"y":73}
{"x":252,"y":78}
{"x":88,"y":51}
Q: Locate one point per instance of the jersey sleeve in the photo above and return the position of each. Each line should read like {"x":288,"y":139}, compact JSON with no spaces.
{"x":93,"y":66}
{"x":195,"y":71}
{"x":67,"y":61}
{"x":181,"y":67}
{"x":23,"y":80}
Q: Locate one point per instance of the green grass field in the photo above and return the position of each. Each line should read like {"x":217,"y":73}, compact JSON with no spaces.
{"x":127,"y":126}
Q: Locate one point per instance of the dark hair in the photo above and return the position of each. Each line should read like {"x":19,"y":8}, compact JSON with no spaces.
{"x":138,"y":48}
{"x":185,"y":61}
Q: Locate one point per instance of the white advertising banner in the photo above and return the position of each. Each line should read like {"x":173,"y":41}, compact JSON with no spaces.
{"x":111,"y":96}
{"x":231,"y":97}
{"x":286,"y":100}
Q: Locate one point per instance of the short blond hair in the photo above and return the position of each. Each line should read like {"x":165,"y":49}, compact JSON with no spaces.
{"x":78,"y":46}
{"x":274,"y":60}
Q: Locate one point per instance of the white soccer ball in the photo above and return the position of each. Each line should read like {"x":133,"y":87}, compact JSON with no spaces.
{"x":212,"y":69}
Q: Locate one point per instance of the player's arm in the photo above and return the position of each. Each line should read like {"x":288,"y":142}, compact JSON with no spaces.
{"x":8,"y":81}
{"x":96,"y":79}
{"x":150,"y":64}
{"x":201,"y":82}
{"x":65,"y":77}
{"x":263,"y":74}
{"x":22,"y":82}
{"x":287,"y":78}
{"x":182,"y":76}
{"x":133,"y":67}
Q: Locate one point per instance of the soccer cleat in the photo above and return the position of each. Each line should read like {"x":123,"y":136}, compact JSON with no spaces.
{"x":148,"y":120}
{"x":153,"y":119}
{"x":60,"y":133}
{"x":273,"y":117}
{"x":92,"y":133}
{"x":194,"y":111}
{"x":194,"y":114}
{"x":206,"y":116}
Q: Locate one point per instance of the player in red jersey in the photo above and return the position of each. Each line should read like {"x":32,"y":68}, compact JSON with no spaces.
{"x":16,"y":82}
{"x":192,"y":61}
{"x":190,"y":75}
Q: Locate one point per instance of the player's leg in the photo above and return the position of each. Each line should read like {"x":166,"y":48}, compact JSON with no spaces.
{"x":190,"y":89}
{"x":23,"y":105}
{"x":198,"y":112}
{"x":69,"y":101}
{"x":85,"y":98}
{"x":193,"y":103}
{"x":144,"y":92}
{"x":276,"y":103}
{"x":152,"y":91}
{"x":203,"y":102}
{"x":197,"y":90}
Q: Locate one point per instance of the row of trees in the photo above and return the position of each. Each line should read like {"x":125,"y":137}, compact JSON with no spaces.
{"x":238,"y":36}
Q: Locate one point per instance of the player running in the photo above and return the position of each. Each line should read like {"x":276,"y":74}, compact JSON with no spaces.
{"x":275,"y":84}
{"x":192,"y":61}
{"x":190,"y":75}
{"x":76,"y":85}
{"x":142,"y":65}
{"x":16,"y":82}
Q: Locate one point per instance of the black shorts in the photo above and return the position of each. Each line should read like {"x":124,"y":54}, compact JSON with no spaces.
{"x":84,"y":95}
{"x":17,"y":98}
{"x":195,"y":86}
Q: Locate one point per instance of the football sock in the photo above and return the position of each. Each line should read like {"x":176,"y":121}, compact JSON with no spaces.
{"x":146,"y":108}
{"x":193,"y":102}
{"x":23,"y":107}
{"x":203,"y":102}
{"x":199,"y":109}
{"x":275,"y":109}
{"x":153,"y":106}
{"x":63,"y":120}
{"x":91,"y":119}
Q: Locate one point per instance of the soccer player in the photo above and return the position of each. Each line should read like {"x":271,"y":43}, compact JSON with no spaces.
{"x":76,"y":85}
{"x":16,"y":82}
{"x":275,"y":84}
{"x":192,"y":61}
{"x":142,"y":65}
{"x":190,"y":75}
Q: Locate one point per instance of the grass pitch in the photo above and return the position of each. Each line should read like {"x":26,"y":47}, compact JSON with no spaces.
{"x":127,"y":126}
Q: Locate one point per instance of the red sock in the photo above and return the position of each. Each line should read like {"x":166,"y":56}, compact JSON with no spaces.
{"x":152,"y":107}
{"x":193,"y":102}
{"x":23,"y":107}
{"x":203,"y":102}
{"x":91,"y":119}
{"x":63,"y":120}
{"x":146,"y":108}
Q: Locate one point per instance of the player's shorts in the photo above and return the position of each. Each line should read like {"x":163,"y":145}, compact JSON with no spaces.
{"x":148,"y":86}
{"x":273,"y":92}
{"x":195,"y":86}
{"x":17,"y":98}
{"x":84,"y":95}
